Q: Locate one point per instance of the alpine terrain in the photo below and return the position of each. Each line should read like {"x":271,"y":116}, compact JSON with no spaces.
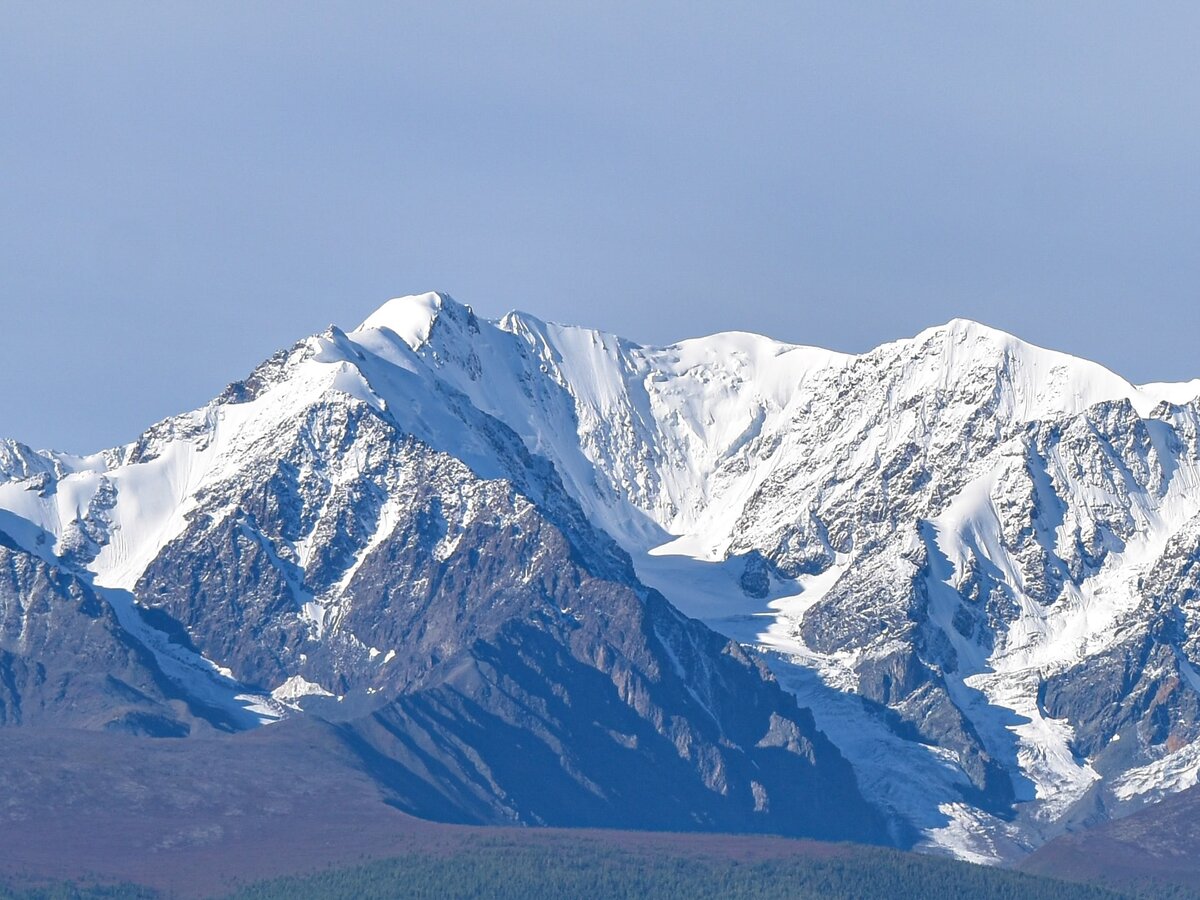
{"x":943,"y":594}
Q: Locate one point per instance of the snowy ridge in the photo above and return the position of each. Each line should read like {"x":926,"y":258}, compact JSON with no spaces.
{"x":942,"y":547}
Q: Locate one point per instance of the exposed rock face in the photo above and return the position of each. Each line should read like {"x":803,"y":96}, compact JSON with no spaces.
{"x":550,"y":720}
{"x":1137,"y":700}
{"x":65,"y":660}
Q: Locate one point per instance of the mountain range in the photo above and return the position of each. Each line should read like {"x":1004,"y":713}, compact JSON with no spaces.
{"x":940,"y":595}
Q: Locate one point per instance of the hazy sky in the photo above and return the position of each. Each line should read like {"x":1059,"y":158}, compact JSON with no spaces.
{"x":185,"y":188}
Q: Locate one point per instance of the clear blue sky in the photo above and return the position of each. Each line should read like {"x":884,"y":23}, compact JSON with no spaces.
{"x":186,"y":187}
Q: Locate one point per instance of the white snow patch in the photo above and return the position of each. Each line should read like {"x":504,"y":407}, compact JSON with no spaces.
{"x":411,"y":318}
{"x":1175,"y":772}
{"x":296,"y":687}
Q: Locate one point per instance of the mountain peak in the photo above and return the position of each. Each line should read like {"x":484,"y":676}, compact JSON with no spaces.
{"x":517,"y":321}
{"x":412,"y":317}
{"x":968,"y":328}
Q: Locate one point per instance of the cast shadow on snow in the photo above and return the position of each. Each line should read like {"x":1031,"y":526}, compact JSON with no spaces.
{"x":961,"y":656}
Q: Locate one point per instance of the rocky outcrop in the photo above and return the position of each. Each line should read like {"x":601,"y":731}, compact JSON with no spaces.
{"x":66,"y":661}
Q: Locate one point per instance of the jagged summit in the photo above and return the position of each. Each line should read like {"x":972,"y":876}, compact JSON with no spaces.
{"x":1047,"y":380}
{"x":1039,"y":381}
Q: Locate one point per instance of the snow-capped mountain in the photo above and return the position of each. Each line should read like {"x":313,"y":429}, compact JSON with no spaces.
{"x":971,"y":558}
{"x":344,"y":535}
